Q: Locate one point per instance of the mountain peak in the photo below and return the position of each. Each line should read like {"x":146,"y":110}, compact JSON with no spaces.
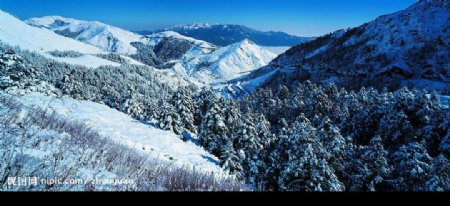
{"x":108,"y":37}
{"x":193,"y":26}
{"x":227,"y":34}
{"x":246,"y":42}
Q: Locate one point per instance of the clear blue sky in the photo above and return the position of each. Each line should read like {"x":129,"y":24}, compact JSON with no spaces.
{"x":300,"y":17}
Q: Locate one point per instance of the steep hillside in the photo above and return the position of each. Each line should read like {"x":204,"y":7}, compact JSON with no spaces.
{"x":108,"y":37}
{"x":17,"y":33}
{"x":227,"y":62}
{"x":413,"y":43}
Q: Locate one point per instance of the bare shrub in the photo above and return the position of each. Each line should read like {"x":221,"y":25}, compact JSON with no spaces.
{"x":82,"y":148}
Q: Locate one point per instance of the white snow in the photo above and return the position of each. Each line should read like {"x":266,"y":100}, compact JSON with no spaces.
{"x":124,"y":130}
{"x":194,"y":26}
{"x":226,"y":63}
{"x":154,"y":39}
{"x":86,"y":60}
{"x":108,"y":37}
{"x":16,"y":33}
{"x":277,"y":49}
{"x":204,"y":63}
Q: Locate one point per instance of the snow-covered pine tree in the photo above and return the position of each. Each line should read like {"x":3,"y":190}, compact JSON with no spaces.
{"x":213,"y":130}
{"x":131,"y":105}
{"x":248,"y":145}
{"x":441,"y":175}
{"x":445,"y":142}
{"x":304,"y":165}
{"x":395,"y":127}
{"x":263,"y":128}
{"x":375,"y":159}
{"x":413,"y":167}
{"x":356,"y":171}
{"x":185,"y":108}
{"x":168,"y":118}
{"x":232,"y":115}
{"x":203,"y":99}
{"x":231,"y":162}
{"x":334,"y":143}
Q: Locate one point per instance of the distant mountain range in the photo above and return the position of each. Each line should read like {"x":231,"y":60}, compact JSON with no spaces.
{"x":226,"y":34}
{"x":198,"y":60}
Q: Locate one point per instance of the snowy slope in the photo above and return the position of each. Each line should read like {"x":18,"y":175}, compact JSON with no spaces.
{"x":123,"y":129}
{"x":154,"y":39}
{"x":235,"y":60}
{"x":412,"y":43}
{"x":110,"y":38}
{"x":17,"y":33}
{"x":196,"y":47}
{"x":225,"y":63}
{"x":409,"y":45}
{"x":277,"y":49}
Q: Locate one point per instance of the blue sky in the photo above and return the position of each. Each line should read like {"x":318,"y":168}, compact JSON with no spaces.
{"x":300,"y":17}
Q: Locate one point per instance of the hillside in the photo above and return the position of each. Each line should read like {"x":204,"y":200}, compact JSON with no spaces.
{"x":406,"y":48}
{"x":107,"y":37}
{"x":413,"y":43}
{"x":16,"y":33}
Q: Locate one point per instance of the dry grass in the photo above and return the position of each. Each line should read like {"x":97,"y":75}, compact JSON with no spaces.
{"x":82,"y":148}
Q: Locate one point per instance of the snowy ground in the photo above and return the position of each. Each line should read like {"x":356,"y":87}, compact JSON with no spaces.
{"x":127,"y":131}
{"x":15,"y":32}
{"x":107,"y":37}
{"x":277,"y":49}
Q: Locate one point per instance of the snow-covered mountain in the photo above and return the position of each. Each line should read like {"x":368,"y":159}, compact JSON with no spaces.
{"x":108,"y":37}
{"x":227,"y":62}
{"x":186,"y":56}
{"x":226,"y":34}
{"x":412,"y":44}
{"x":15,"y":32}
{"x":202,"y":61}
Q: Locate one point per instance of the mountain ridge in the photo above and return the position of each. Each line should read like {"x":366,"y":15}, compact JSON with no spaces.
{"x":226,"y":34}
{"x":408,"y":45}
{"x":110,"y":38}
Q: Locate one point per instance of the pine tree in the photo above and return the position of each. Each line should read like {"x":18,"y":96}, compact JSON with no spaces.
{"x":305,"y":164}
{"x":248,"y":144}
{"x":413,"y":168}
{"x":445,"y":142}
{"x":184,"y":107}
{"x":263,"y":129}
{"x":131,"y":105}
{"x":441,"y":175}
{"x":169,"y":119}
{"x":203,"y":100}
{"x":213,"y":130}
{"x":375,"y":158}
{"x":334,"y":143}
{"x":395,"y":127}
{"x":231,"y":162}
